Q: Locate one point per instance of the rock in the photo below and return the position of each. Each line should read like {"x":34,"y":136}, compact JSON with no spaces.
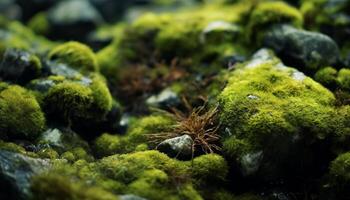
{"x":130,"y":197}
{"x":308,"y":51}
{"x":10,"y":9}
{"x":19,"y":66}
{"x":16,"y":171}
{"x":219,"y":30}
{"x":165,"y":99}
{"x":73,"y":20}
{"x":180,"y":147}
{"x":276,"y":120}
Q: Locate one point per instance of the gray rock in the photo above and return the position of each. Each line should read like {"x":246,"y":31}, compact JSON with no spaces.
{"x":10,"y":9}
{"x":165,"y":99}
{"x":62,"y":139}
{"x":18,"y":66}
{"x":130,"y":197}
{"x":305,"y":50}
{"x":219,"y":30}
{"x":77,"y":15}
{"x":180,"y":147}
{"x":17,"y":169}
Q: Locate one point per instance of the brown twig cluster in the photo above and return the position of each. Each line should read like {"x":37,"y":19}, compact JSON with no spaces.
{"x":200,"y":124}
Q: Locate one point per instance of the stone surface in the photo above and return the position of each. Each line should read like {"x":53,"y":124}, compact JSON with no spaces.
{"x":305,"y":50}
{"x":73,"y":19}
{"x":165,"y":99}
{"x":18,"y":66}
{"x":16,"y":171}
{"x":177,"y":147}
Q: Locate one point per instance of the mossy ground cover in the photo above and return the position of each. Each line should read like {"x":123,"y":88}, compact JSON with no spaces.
{"x":106,"y":113}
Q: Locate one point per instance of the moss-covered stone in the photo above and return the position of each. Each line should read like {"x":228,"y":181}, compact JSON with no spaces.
{"x":209,"y":168}
{"x":344,"y":79}
{"x":20,"y":114}
{"x":69,"y":100}
{"x":268,"y":108}
{"x":39,"y":24}
{"x":75,"y":55}
{"x":327,"y":77}
{"x":269,"y":13}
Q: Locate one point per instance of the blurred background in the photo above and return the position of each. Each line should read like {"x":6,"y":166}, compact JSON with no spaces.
{"x":79,"y":19}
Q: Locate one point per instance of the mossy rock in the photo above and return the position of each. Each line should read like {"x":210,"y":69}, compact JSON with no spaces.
{"x":20,"y":114}
{"x":75,"y":55}
{"x":266,"y":14}
{"x":269,"y":109}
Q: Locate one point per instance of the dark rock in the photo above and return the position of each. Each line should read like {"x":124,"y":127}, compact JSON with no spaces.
{"x":10,"y":9}
{"x":16,"y":171}
{"x":73,"y":20}
{"x":304,"y":50}
{"x":165,"y":99}
{"x":179,"y":147}
{"x":61,"y":139}
{"x":19,"y":66}
{"x":31,"y":7}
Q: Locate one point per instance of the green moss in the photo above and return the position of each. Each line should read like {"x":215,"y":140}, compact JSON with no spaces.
{"x":209,"y":168}
{"x":69,"y":100}
{"x":18,"y":36}
{"x":107,"y":144}
{"x":48,"y":153}
{"x":344,"y":79}
{"x":102,"y":97}
{"x":128,"y":167}
{"x":136,"y":137}
{"x":9,"y":146}
{"x":195,"y":37}
{"x":268,"y":13}
{"x":340,"y":168}
{"x":150,"y":174}
{"x":55,"y":186}
{"x":151,"y":124}
{"x":269,"y":108}
{"x":39,"y":24}
{"x":75,"y":55}
{"x":69,"y":156}
{"x":20,"y":114}
{"x":327,"y":77}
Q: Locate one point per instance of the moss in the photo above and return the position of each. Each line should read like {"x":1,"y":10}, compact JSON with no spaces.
{"x":340,"y":168}
{"x":209,"y":168}
{"x":55,"y":186}
{"x":81,"y":154}
{"x":75,"y":55}
{"x":343,"y":79}
{"x":48,"y":153}
{"x":68,"y":100}
{"x":156,"y":123}
{"x":18,"y":36}
{"x":150,"y":174}
{"x":199,"y":39}
{"x":9,"y":146}
{"x":327,"y":77}
{"x":339,"y":176}
{"x":136,"y":137}
{"x":102,"y":97}
{"x":69,"y":156}
{"x":107,"y":144}
{"x":128,"y":167}
{"x":268,"y":13}
{"x":20,"y":114}
{"x":266,"y":109}
{"x":39,"y":24}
